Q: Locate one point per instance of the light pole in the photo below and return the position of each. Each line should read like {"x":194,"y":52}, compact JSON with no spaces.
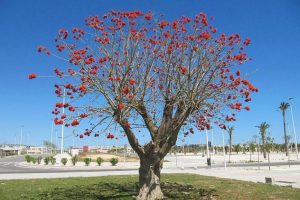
{"x":294,"y":129}
{"x":63,"y":124}
{"x":21,"y":135}
{"x":224,"y":154}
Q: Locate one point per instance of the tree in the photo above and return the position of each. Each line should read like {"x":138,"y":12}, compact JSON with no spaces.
{"x":252,"y":148}
{"x":230,"y":132}
{"x":49,"y":145}
{"x":269,"y":146}
{"x":139,"y":72}
{"x":237,"y":148}
{"x":283,"y":107}
{"x":262,"y":130}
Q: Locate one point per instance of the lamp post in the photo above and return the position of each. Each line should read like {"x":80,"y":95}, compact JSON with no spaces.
{"x":224,"y":154}
{"x":63,"y":124}
{"x":21,"y":137}
{"x":294,"y":129}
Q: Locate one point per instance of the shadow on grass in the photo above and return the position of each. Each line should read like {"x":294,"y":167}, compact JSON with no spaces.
{"x":110,"y":191}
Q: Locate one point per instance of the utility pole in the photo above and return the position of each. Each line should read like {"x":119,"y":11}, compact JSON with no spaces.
{"x":294,"y":129}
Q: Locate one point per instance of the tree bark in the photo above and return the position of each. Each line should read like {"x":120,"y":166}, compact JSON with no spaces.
{"x":263,"y":146}
{"x":285,"y":136}
{"x":149,"y":178}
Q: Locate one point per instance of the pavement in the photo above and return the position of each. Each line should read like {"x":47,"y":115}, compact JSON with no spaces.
{"x":282,"y":172}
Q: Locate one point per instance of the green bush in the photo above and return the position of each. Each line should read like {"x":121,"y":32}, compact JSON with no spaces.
{"x":46,"y":160}
{"x":33,"y":160}
{"x":64,"y":161}
{"x":28,"y":158}
{"x":39,"y":159}
{"x":52,"y":160}
{"x":74,"y":160}
{"x":87,"y":161}
{"x":99,"y":161}
{"x":114,"y":161}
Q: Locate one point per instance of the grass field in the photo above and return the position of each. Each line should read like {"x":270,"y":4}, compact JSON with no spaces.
{"x":175,"y":186}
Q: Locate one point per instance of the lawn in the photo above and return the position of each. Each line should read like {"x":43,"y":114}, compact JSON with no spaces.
{"x":175,"y":186}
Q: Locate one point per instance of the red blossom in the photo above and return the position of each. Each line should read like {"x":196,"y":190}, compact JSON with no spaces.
{"x":183,"y":70}
{"x":75,"y":123}
{"x":32,"y":76}
{"x":72,"y":109}
{"x":163,"y":24}
{"x":121,"y":106}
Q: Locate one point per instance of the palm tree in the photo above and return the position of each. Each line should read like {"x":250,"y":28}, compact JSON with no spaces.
{"x":283,"y":107}
{"x":230,"y":132}
{"x":262,"y":130}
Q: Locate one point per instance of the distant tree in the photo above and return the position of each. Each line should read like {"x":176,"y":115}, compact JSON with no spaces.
{"x":252,"y":148}
{"x":262,"y":130}
{"x":230,"y":132}
{"x":269,"y":146}
{"x":49,"y":145}
{"x":237,"y":148}
{"x":283,"y":107}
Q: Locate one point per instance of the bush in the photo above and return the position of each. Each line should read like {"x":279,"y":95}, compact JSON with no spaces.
{"x":87,"y":161}
{"x":74,"y":160}
{"x":28,"y":158}
{"x":52,"y":160}
{"x":39,"y":159}
{"x":64,"y":161}
{"x":114,"y":161}
{"x":33,"y":160}
{"x":99,"y":161}
{"x":46,"y":160}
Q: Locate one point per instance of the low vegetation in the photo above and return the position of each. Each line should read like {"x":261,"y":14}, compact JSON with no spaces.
{"x":175,"y":186}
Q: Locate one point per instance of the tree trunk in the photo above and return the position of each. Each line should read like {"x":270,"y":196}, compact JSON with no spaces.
{"x":263,"y":146}
{"x":230,"y":146}
{"x":285,"y":136}
{"x":149,"y":179}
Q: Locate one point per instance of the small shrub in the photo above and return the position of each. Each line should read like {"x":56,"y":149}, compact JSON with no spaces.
{"x":52,"y":160}
{"x":114,"y":161}
{"x":87,"y":161}
{"x":74,"y":160}
{"x":64,"y":161}
{"x":28,"y":158}
{"x":39,"y":159}
{"x":33,"y":160}
{"x":99,"y":161}
{"x":46,"y":160}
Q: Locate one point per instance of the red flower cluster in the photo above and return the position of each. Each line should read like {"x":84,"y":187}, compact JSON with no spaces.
{"x":121,"y":106}
{"x":75,"y":123}
{"x":72,"y":109}
{"x":32,"y":76}
{"x":58,"y":121}
{"x":183,"y":70}
{"x":110,"y":136}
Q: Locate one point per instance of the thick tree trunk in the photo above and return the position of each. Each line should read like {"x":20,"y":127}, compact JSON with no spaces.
{"x":149,"y":179}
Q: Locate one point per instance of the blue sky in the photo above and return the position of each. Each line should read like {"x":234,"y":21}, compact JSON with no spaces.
{"x":273,"y":26}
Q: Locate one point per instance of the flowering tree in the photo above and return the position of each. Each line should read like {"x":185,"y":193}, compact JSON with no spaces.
{"x":137,"y":71}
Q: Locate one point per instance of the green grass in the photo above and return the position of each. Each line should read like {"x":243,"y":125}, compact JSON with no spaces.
{"x":175,"y":186}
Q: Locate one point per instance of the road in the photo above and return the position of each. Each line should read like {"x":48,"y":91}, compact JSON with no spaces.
{"x":11,"y":165}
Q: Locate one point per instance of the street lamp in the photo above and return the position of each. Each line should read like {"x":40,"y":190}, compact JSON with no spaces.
{"x":21,"y":135}
{"x":224,"y":154}
{"x":294,"y":129}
